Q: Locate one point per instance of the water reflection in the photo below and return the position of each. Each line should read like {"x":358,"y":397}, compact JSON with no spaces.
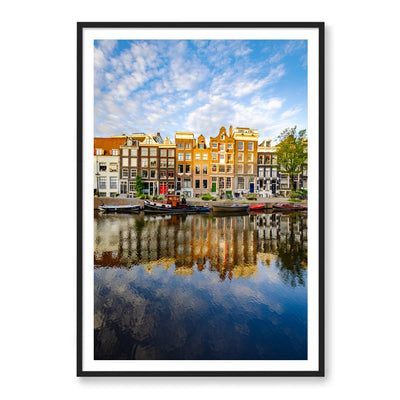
{"x":229,"y":246}
{"x":201,"y":287}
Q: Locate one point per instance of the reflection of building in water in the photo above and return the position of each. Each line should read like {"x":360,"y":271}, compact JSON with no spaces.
{"x":282,"y":235}
{"x":229,"y":245}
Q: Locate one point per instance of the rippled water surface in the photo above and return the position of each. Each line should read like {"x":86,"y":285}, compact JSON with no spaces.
{"x":201,"y":287}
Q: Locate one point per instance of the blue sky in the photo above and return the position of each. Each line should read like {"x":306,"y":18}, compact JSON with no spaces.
{"x":198,"y":86}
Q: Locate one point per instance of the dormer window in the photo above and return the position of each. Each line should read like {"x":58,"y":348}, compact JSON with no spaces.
{"x":99,"y":152}
{"x":115,"y":152}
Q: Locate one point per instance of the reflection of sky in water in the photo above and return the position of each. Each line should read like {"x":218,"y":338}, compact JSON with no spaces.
{"x":216,"y":309}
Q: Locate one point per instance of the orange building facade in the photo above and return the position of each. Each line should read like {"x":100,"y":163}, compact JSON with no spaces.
{"x":222,"y":150}
{"x":201,"y":167}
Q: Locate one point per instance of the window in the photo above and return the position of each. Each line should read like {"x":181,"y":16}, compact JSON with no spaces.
{"x":274,"y":172}
{"x":221,"y":182}
{"x":103,"y":167}
{"x":197,"y":169}
{"x":197,"y":156}
{"x":188,"y":156}
{"x":133,"y":172}
{"x":197,"y":183}
{"x":268,"y":160}
{"x":145,"y":162}
{"x":249,"y":157}
{"x":125,"y":172}
{"x":214,"y":145}
{"x":113,"y":167}
{"x":187,"y":146}
{"x":133,"y":162}
{"x":240,"y":157}
{"x":133,"y":152}
{"x":186,"y":183}
{"x":99,"y":152}
{"x":250,"y":169}
{"x":229,"y":183}
{"x":125,"y":152}
{"x":205,"y":170}
{"x":125,"y":162}
{"x":102,"y":182}
{"x":171,"y":153}
{"x":163,"y":163}
{"x":229,"y":169}
{"x":261,"y":172}
{"x":222,"y":168}
{"x":187,"y":169}
{"x":144,"y":173}
{"x":145,"y":151}
{"x":240,"y":181}
{"x":222,"y":137}
{"x":214,"y":156}
{"x":153,"y":152}
{"x":153,"y":162}
{"x":222,"y":158}
{"x":171,"y":186}
{"x":171,"y":162}
{"x":267,"y":173}
{"x":214,"y":168}
{"x":201,"y":146}
{"x":180,"y":168}
{"x":205,"y":156}
{"x":240,"y":146}
{"x":240,"y":169}
{"x":229,"y":157}
{"x":153,"y":174}
{"x":222,"y":147}
{"x":205,"y":183}
{"x":230,"y":146}
{"x":114,"y":152}
{"x":180,"y":156}
{"x":113,"y":182}
{"x":250,"y":146}
{"x":180,"y":146}
{"x":131,"y":186}
{"x":170,"y":175}
{"x":163,"y":153}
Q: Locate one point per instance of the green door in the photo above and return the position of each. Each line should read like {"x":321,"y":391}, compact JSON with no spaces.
{"x":214,"y":187}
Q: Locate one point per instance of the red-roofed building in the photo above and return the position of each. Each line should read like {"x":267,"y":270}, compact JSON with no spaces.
{"x":106,"y":166}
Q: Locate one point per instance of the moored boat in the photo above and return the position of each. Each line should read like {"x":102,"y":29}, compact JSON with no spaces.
{"x":257,"y":207}
{"x":231,"y":208}
{"x":120,"y":208}
{"x":173,"y":205}
{"x":288,"y":207}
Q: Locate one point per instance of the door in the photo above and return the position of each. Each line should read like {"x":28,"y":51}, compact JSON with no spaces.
{"x":214,"y":187}
{"x":251,"y":187}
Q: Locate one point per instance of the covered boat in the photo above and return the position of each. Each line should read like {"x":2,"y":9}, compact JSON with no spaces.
{"x":173,"y":205}
{"x":288,"y":207}
{"x":231,"y":208}
{"x":120,"y":208}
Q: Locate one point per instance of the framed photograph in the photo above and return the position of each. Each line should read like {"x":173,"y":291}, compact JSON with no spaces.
{"x":200,"y":202}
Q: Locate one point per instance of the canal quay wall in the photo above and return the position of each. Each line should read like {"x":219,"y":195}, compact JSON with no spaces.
{"x":98,"y":201}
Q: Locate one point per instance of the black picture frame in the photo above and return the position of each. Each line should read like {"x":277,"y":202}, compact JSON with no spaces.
{"x":320,"y":27}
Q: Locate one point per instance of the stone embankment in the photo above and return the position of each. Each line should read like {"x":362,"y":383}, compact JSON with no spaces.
{"x":98,"y":201}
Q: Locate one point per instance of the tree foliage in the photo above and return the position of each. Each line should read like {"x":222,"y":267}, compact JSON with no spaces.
{"x":139,"y":185}
{"x":292,"y":152}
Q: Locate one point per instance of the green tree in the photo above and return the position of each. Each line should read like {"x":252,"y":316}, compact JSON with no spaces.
{"x":292,"y":152}
{"x":139,"y":185}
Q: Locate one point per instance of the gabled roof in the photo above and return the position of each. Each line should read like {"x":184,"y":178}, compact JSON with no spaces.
{"x":108,"y":144}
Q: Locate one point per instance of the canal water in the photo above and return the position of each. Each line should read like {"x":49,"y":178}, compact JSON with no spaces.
{"x":200,"y":287}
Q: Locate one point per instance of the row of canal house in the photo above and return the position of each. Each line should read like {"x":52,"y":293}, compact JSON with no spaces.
{"x":232,"y":164}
